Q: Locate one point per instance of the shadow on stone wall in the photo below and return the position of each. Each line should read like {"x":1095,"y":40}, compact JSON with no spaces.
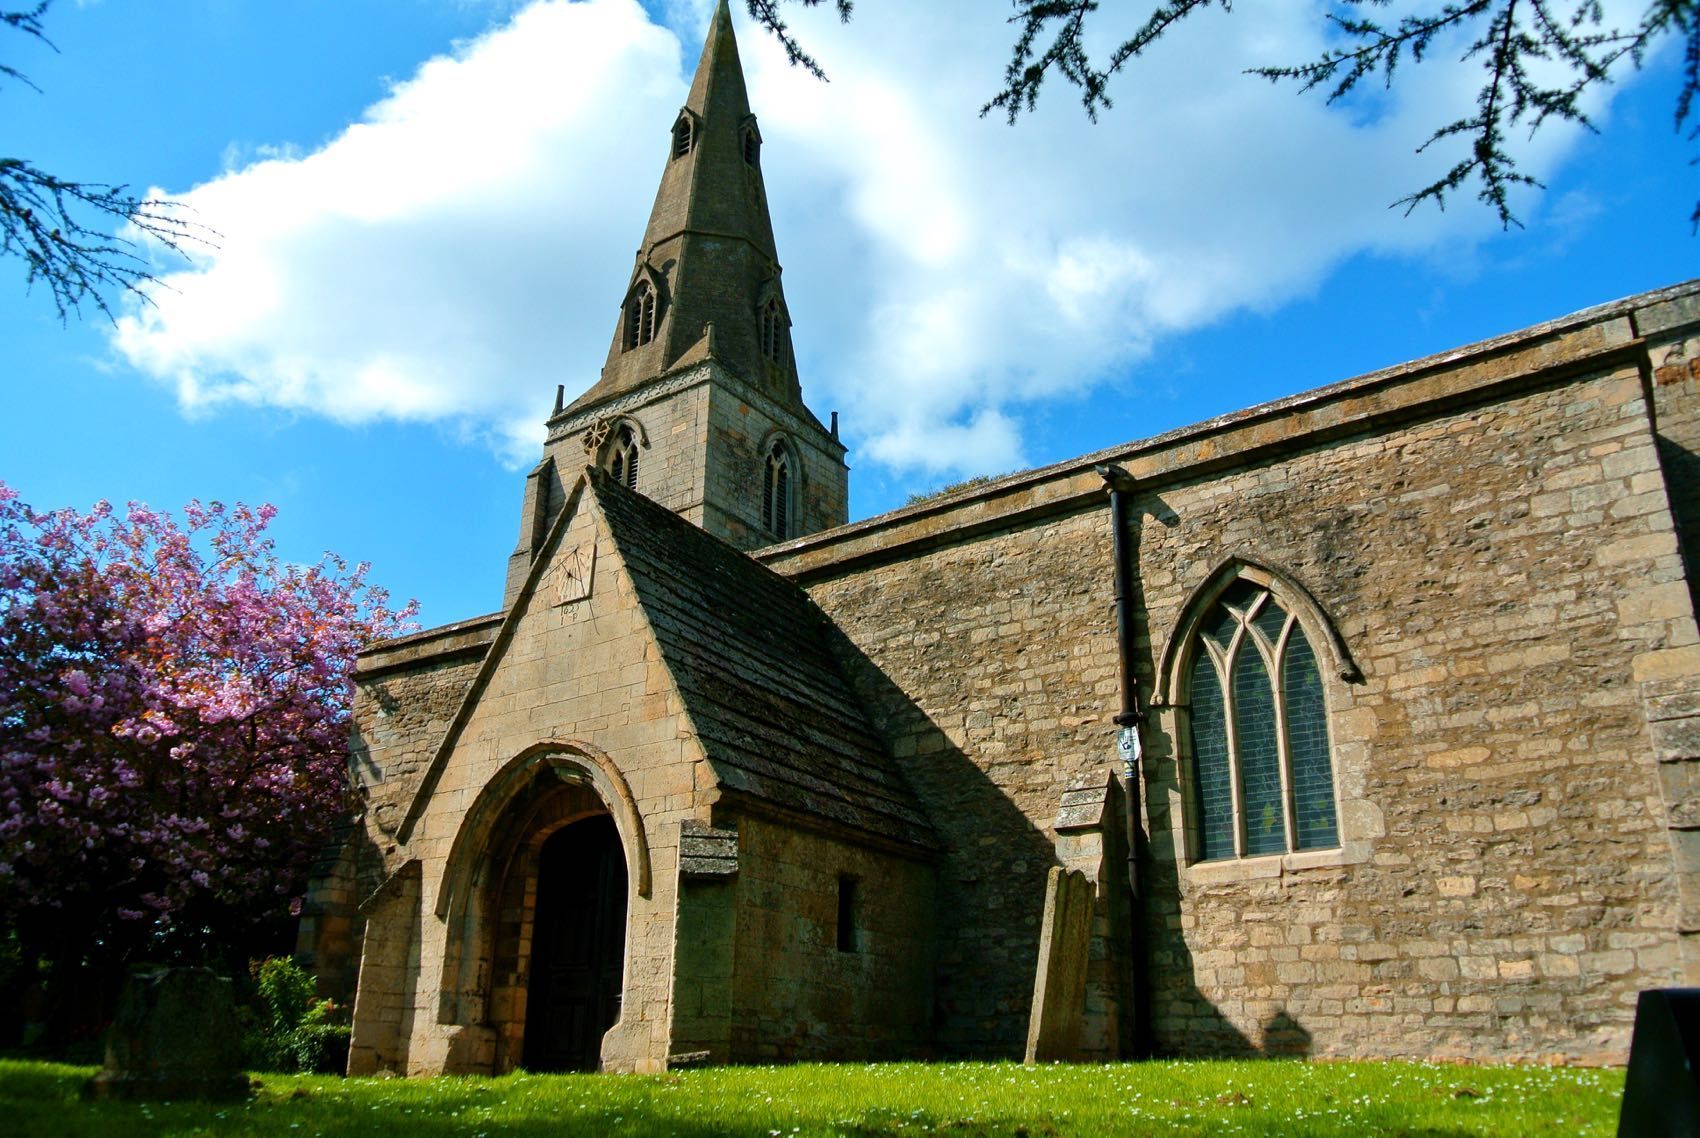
{"x":1682,"y":477}
{"x":991,"y":875}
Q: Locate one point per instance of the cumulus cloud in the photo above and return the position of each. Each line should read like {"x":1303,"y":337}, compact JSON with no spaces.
{"x":462,"y":248}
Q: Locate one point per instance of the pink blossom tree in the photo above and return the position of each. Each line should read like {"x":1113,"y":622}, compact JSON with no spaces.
{"x":174,"y":705}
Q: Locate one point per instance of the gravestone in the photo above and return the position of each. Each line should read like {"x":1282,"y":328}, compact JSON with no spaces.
{"x":1661,"y":1091}
{"x":1059,"y":985}
{"x":175,"y":1037}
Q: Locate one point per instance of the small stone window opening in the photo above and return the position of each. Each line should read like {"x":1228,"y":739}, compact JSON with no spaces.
{"x":773,"y":331}
{"x":640,"y":316}
{"x":776,"y":492}
{"x":682,"y":137}
{"x":1263,"y":778}
{"x":752,"y":148}
{"x":623,"y":459}
{"x":849,"y":906}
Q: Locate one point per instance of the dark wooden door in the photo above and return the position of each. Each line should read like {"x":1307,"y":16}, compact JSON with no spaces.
{"x":578,"y":946}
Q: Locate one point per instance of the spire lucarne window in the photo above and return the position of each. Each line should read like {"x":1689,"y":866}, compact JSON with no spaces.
{"x":683,"y":136}
{"x":623,"y":457}
{"x":776,"y":491}
{"x":640,"y":316}
{"x":1263,"y":779}
{"x":773,"y":331}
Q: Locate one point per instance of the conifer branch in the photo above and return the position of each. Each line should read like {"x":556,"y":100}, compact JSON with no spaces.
{"x":1540,"y":60}
{"x":71,"y":235}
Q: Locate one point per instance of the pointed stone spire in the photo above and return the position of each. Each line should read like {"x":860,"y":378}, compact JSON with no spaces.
{"x":708,"y":255}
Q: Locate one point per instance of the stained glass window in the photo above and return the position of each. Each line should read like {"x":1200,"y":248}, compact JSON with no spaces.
{"x":1263,"y":780}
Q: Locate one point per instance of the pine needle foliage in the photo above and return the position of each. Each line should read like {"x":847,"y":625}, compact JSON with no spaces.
{"x":82,"y":241}
{"x":1539,"y":61}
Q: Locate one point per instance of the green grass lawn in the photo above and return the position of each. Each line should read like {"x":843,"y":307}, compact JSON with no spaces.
{"x":965,"y":1100}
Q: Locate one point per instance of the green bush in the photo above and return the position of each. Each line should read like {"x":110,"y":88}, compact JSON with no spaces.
{"x":290,"y":1029}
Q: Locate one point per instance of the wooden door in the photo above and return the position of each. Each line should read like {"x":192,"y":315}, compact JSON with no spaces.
{"x":578,"y":946}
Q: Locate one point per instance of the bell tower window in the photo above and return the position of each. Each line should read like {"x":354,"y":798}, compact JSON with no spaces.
{"x":683,"y":136}
{"x":776,"y":511}
{"x":623,"y":458}
{"x":640,"y":316}
{"x":752,"y":147}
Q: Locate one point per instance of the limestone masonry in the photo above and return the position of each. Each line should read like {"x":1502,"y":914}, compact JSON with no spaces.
{"x":1415,"y":746}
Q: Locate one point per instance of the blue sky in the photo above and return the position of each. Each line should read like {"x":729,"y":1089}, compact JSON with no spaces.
{"x":428,"y":209}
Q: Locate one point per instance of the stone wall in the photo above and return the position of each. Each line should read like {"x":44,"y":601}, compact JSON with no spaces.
{"x":988,"y":666}
{"x":406,"y":693}
{"x":742,"y":426}
{"x":1670,"y":691}
{"x":1491,"y":536}
{"x":799,"y":992}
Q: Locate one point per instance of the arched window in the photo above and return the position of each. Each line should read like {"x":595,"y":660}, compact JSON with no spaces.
{"x":1262,"y":774}
{"x":773,"y":330}
{"x":623,"y":457}
{"x":640,"y":316}
{"x":776,"y":512}
{"x":752,"y":146}
{"x":683,"y":136}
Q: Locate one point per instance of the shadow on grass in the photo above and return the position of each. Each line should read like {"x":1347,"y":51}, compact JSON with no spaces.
{"x":854,"y":1101}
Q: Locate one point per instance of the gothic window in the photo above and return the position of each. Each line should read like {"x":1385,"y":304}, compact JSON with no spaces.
{"x":683,"y":136}
{"x":776,"y":512}
{"x":623,"y":457}
{"x":1262,"y":773}
{"x":752,"y":147}
{"x":773,"y":331}
{"x":640,"y":316}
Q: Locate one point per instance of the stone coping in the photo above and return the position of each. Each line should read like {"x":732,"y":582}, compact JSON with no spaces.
{"x":1592,"y":337}
{"x":469,"y":638}
{"x":1596,"y":337}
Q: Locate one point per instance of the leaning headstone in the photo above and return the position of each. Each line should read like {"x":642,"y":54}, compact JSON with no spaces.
{"x":175,"y":1037}
{"x":1059,"y":985}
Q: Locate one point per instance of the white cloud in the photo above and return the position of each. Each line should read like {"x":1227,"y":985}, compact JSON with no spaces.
{"x":462,"y":249}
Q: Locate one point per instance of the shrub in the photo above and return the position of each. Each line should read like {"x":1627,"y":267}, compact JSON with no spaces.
{"x":291,"y":1030}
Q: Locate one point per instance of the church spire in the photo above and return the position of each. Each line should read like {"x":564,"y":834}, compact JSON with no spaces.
{"x":698,"y":406}
{"x":706,"y":279}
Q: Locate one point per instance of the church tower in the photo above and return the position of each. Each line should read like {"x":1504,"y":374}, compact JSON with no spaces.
{"x":698,"y":406}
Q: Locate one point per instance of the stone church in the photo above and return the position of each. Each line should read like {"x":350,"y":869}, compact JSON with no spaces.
{"x":1361,"y":723}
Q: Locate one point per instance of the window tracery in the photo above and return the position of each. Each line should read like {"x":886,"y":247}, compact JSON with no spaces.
{"x":623,"y":458}
{"x":1262,"y":767}
{"x":640,"y":316}
{"x":776,"y":507}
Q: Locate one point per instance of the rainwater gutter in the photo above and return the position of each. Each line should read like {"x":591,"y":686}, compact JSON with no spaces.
{"x":1129,"y":719}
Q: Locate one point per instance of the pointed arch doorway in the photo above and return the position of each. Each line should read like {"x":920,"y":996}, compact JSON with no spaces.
{"x":578,"y":946}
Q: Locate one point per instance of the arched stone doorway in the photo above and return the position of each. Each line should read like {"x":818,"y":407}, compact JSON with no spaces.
{"x":495,"y":889}
{"x":578,"y":945}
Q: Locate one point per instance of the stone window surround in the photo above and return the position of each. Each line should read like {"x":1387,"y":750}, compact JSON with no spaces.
{"x":779,"y":442}
{"x":1358,"y":821}
{"x":750,"y":143}
{"x":682,"y":139}
{"x":604,"y":438}
{"x":773,"y":326}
